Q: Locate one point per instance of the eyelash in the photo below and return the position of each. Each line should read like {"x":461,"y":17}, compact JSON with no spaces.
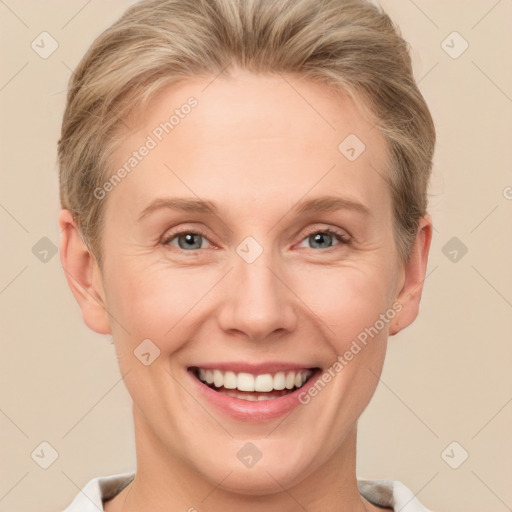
{"x":341,"y":237}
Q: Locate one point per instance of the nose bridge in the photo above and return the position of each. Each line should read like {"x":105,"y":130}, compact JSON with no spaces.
{"x":257,"y":301}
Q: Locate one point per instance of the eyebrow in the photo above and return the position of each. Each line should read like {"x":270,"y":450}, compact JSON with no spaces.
{"x":331,"y":203}
{"x":318,"y":204}
{"x":177,"y":203}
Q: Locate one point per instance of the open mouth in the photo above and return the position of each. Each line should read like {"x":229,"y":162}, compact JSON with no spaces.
{"x":246,"y":386}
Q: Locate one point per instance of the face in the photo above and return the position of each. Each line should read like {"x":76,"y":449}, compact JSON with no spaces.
{"x":245,"y":256}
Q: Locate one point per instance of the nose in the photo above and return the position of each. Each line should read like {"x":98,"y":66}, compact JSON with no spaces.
{"x":259,"y":304}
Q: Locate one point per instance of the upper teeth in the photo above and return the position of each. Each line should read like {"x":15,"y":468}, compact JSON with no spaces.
{"x":247,"y":382}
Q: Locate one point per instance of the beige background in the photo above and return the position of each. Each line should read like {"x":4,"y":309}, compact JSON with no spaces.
{"x":446,"y":378}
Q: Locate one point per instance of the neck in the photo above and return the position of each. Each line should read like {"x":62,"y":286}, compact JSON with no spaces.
{"x":165,"y":482}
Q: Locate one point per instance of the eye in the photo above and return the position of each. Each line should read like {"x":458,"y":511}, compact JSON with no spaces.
{"x":189,"y":240}
{"x":325,"y":237}
{"x":186,"y":239}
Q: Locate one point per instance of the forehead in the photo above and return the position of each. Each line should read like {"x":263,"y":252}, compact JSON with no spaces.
{"x":267,"y":137}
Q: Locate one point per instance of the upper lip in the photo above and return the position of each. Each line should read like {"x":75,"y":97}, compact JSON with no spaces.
{"x":254,"y":368}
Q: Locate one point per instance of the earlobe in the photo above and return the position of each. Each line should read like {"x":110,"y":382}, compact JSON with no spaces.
{"x":414,"y":273}
{"x":83,"y":275}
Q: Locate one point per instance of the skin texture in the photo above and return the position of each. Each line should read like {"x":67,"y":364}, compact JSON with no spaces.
{"x":255,"y":147}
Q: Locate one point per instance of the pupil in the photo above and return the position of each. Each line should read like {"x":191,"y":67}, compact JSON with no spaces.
{"x":319,"y":237}
{"x":189,"y":241}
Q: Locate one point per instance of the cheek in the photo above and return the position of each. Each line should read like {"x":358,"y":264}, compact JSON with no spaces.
{"x":151,"y":303}
{"x":347,"y":299}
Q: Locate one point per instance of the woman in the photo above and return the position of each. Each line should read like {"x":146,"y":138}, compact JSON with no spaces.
{"x":243,"y":189}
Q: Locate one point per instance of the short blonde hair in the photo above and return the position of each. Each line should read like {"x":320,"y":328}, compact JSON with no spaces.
{"x":351,"y":45}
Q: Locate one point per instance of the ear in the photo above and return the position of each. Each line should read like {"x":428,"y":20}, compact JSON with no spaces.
{"x":413,"y":276}
{"x":83,"y":275}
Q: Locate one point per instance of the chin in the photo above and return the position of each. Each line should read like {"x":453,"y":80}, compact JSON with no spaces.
{"x":275,"y":470}
{"x":261,"y":481}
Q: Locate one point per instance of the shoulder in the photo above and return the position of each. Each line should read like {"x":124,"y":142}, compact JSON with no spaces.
{"x":99,"y":489}
{"x":390,"y":493}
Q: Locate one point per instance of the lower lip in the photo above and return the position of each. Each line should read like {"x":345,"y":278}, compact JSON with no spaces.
{"x":259,"y":411}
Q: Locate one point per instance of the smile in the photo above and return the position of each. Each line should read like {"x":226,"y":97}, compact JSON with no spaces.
{"x":252,"y":392}
{"x":246,"y":386}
